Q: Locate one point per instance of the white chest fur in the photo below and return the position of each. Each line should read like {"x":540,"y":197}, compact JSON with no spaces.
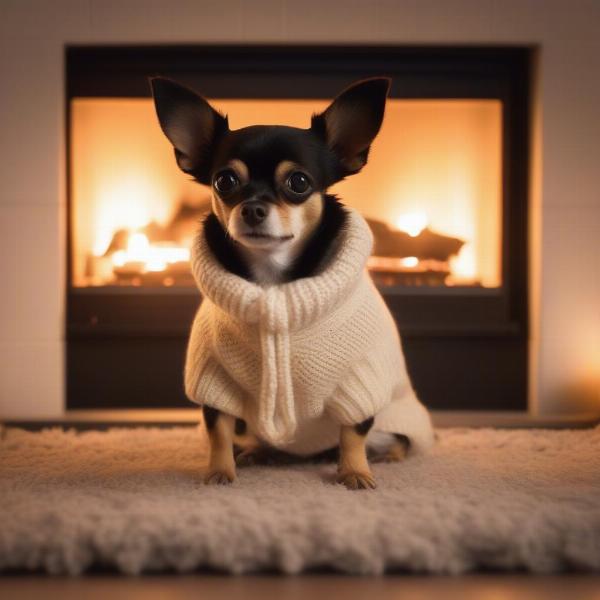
{"x":269,"y":266}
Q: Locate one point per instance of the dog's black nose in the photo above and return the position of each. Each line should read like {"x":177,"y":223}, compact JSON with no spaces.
{"x":254,"y":212}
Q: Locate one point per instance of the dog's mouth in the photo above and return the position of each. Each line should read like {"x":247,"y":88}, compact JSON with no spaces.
{"x":265,"y":236}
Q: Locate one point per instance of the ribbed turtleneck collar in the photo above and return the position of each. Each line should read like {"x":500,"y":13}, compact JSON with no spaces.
{"x":303,"y":301}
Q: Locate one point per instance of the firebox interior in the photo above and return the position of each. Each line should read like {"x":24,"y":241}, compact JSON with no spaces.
{"x":432,"y":191}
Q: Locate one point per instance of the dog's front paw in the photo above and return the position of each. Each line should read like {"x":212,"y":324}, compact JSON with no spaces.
{"x":219,"y":477}
{"x":355,"y":480}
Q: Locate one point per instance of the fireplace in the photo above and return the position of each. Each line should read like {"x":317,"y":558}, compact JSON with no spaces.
{"x":445,"y":194}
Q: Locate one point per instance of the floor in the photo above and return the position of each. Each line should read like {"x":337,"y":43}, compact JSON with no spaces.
{"x":406,"y":587}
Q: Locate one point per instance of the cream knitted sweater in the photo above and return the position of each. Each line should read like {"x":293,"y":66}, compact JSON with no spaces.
{"x":296,"y":360}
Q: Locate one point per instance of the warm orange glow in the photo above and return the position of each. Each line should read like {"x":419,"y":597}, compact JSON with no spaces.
{"x":463,"y":266}
{"x":436,"y":164}
{"x":412,"y":223}
{"x":409,"y":261}
{"x":586,"y":365}
{"x":124,"y":177}
{"x":125,"y":205}
{"x":140,"y":255}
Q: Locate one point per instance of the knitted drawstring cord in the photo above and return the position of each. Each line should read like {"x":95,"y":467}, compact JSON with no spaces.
{"x":276,"y":409}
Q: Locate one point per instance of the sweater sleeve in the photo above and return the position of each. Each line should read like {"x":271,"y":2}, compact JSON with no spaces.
{"x":206,"y":382}
{"x":363,"y":392}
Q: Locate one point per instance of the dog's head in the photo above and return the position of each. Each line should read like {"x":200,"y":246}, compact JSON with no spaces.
{"x":268,"y":182}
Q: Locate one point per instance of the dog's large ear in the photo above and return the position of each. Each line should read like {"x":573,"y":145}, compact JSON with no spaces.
{"x":351,"y":122}
{"x":192,"y":125}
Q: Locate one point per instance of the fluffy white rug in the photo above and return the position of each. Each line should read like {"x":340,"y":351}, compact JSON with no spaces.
{"x":133,"y":499}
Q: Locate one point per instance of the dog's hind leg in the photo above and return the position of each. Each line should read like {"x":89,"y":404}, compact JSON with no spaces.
{"x":353,"y":467}
{"x":247,"y":448}
{"x":221,"y":465}
{"x":387,"y":447}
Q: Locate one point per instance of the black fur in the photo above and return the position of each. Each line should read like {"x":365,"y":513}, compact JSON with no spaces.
{"x":333,"y":220}
{"x":177,"y":106}
{"x":262,"y":147}
{"x":352,"y":121}
{"x":403,"y":440}
{"x":224,"y":248}
{"x":364,"y":427}
{"x":240,"y":427}
{"x":210,"y":416}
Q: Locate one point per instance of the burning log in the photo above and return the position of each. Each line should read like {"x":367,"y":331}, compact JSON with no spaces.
{"x":158,"y":255}
{"x":180,"y":230}
{"x":427,"y":245}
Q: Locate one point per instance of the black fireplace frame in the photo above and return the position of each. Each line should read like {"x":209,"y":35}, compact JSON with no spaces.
{"x":466,"y":348}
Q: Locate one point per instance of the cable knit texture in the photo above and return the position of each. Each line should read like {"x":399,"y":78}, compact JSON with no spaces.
{"x":302,"y":356}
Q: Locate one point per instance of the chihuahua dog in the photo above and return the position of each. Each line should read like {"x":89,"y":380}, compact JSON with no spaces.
{"x":273,"y":222}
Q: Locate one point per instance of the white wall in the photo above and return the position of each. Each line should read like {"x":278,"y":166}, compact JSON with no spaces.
{"x":566,"y":196}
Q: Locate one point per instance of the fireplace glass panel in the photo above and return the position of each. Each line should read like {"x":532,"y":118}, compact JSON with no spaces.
{"x":431,"y":191}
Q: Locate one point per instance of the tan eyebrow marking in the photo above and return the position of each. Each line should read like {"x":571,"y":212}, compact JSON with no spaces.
{"x":284,"y":168}
{"x":240,"y":168}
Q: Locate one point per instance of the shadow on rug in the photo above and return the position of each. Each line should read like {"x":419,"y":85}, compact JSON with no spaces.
{"x":133,"y":499}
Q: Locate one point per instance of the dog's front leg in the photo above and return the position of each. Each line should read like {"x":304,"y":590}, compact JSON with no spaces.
{"x":221,"y":465}
{"x":353,"y":468}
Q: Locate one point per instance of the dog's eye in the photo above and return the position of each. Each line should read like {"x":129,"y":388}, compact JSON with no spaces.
{"x":226,"y":181}
{"x":298,"y":182}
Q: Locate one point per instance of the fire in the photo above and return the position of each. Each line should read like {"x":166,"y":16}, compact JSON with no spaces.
{"x":145,"y":257}
{"x":125,"y":201}
{"x":409,"y":261}
{"x":464,"y":266}
{"x":412,"y":223}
